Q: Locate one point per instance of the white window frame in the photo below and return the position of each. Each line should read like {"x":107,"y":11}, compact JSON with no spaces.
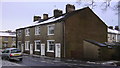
{"x":19,"y":32}
{"x":36,"y":46}
{"x":27,"y":44}
{"x":6,"y":39}
{"x":13,"y":39}
{"x":37,"y":30}
{"x":13,"y":43}
{"x":48,"y":45}
{"x":48,"y":27}
{"x":18,"y":44}
{"x":27,"y":32}
{"x":5,"y":44}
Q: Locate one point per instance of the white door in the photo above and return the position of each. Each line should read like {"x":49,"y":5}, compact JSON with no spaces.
{"x":42,"y":49}
{"x":58,"y":50}
{"x":31,"y":49}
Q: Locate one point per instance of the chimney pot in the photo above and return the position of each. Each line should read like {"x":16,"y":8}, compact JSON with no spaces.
{"x":110,"y":27}
{"x":57,"y":12}
{"x":36,"y":18}
{"x":70,"y":8}
{"x":45,"y":16}
{"x":116,"y":28}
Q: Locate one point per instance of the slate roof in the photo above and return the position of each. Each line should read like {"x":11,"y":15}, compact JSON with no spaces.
{"x":96,"y":43}
{"x":112,"y":31}
{"x":54,"y":19}
{"x":7,"y":34}
{"x":50,"y":20}
{"x":59,"y":18}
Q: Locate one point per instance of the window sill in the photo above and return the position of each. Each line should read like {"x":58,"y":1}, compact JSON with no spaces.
{"x":50,"y":34}
{"x":26,"y":49}
{"x":37,"y":34}
{"x":50,"y":51}
{"x":5,"y":41}
{"x":27,"y":35}
{"x":37,"y":50}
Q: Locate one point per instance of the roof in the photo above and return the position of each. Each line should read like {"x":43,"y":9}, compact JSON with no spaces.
{"x":112,"y":44}
{"x":96,"y":43}
{"x":59,"y":18}
{"x":53,"y":19}
{"x":50,"y":20}
{"x":113,"y":31}
{"x":7,"y":34}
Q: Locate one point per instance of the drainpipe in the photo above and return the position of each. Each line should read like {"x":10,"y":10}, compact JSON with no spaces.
{"x":64,"y":38}
{"x":116,"y":39}
{"x":16,"y":39}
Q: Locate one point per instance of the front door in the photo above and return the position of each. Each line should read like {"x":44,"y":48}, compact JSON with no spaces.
{"x":42,"y":49}
{"x":58,"y":50}
{"x":31,"y":49}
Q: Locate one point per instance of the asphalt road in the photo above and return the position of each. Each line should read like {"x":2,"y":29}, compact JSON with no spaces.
{"x":36,"y":62}
{"x":32,"y":62}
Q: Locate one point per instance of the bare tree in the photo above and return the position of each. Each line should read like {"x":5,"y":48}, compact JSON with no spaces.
{"x":105,"y":4}
{"x":91,"y":3}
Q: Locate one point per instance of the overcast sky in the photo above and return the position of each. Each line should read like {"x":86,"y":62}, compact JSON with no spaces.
{"x":16,"y":14}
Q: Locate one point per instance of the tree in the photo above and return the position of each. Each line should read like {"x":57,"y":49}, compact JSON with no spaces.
{"x":105,"y":4}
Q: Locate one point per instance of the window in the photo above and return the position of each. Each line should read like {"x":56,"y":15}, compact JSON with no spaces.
{"x":37,"y":30}
{"x":27,"y":44}
{"x":5,"y":38}
{"x":27,"y":32}
{"x":19,"y":33}
{"x":13,"y":39}
{"x":51,"y":29}
{"x":37,"y":45}
{"x":5,"y":44}
{"x":19,"y":44}
{"x":50,"y":45}
{"x":13,"y":44}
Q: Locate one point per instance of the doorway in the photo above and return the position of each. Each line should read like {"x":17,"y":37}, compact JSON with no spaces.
{"x":58,"y":50}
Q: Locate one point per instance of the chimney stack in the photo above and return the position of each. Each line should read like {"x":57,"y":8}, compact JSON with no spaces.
{"x":110,"y":27}
{"x":45,"y":16}
{"x":57,"y":12}
{"x":36,"y":18}
{"x":70,"y":8}
{"x":116,"y":28}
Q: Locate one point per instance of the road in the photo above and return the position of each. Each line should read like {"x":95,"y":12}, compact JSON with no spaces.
{"x":29,"y":61}
{"x":37,"y":62}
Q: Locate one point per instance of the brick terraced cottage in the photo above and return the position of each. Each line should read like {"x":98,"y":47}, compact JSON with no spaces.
{"x":7,"y":39}
{"x":62,"y":35}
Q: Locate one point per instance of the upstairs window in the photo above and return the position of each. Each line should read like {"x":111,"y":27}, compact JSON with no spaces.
{"x":19,"y":32}
{"x":5,"y":38}
{"x":19,"y":44}
{"x":13,"y":39}
{"x":37,"y":30}
{"x":51,"y":29}
{"x":27,"y":32}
